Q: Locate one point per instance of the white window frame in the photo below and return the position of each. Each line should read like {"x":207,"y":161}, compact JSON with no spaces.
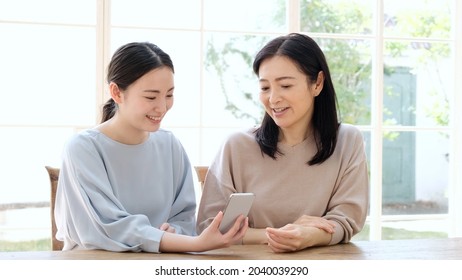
{"x":377,"y":127}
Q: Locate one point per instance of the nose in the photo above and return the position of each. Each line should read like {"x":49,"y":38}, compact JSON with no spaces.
{"x":161,"y":105}
{"x":274,"y":96}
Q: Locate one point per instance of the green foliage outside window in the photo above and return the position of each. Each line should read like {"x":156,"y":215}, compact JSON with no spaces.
{"x":350,"y":60}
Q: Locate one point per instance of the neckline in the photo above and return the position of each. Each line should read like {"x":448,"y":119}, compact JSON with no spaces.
{"x":286,"y":147}
{"x":99,"y":132}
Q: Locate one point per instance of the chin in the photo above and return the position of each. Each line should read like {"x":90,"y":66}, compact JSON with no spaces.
{"x":152,"y":128}
{"x":281,"y":124}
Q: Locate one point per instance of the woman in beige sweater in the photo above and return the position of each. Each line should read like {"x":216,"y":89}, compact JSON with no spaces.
{"x":308,"y":171}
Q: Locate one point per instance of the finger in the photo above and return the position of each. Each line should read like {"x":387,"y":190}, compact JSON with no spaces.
{"x":332,"y":223}
{"x":278,"y":246}
{"x":327,"y":227}
{"x":321,"y":223}
{"x":280,"y":232}
{"x":276,"y":249}
{"x":241,"y":232}
{"x":236,"y":226}
{"x":244,"y":228}
{"x":282,"y":240}
{"x":217,"y":220}
{"x":164,"y":226}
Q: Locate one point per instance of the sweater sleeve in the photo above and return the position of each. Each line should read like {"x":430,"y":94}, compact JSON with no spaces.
{"x":349,"y":201}
{"x":89,"y":215}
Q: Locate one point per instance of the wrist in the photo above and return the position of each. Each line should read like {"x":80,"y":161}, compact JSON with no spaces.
{"x":255,"y":236}
{"x":319,"y":237}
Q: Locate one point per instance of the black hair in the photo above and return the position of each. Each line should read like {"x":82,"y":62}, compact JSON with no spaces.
{"x":129,"y":63}
{"x":310,"y":59}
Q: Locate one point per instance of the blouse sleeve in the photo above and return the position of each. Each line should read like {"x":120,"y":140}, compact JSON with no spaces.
{"x":87,"y":212}
{"x":183,"y":211}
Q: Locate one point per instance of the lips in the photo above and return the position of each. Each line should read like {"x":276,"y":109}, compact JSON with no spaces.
{"x":279,"y":111}
{"x":157,"y":119}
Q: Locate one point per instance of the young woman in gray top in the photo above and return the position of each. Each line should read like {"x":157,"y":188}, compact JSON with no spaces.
{"x":126,"y":184}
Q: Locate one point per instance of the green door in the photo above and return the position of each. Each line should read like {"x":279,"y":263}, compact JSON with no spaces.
{"x":399,"y":147}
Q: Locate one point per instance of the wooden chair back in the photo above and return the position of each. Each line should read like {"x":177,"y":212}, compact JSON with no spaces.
{"x":201,"y":172}
{"x":53,"y":173}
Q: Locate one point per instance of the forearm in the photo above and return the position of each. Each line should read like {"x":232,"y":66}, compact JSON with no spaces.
{"x":172,"y":242}
{"x":255,"y":236}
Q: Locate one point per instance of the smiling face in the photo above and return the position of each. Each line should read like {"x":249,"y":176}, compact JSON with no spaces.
{"x":143,"y":105}
{"x":288,"y":95}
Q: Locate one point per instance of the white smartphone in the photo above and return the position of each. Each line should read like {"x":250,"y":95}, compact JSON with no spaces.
{"x":238,"y":204}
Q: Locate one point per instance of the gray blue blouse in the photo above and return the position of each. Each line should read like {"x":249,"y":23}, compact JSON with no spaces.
{"x":114,"y":196}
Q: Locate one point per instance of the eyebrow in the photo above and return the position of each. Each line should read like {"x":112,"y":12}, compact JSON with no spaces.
{"x":157,"y":91}
{"x":280,"y":78}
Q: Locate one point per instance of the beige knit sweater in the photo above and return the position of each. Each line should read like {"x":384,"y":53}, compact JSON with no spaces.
{"x":287,"y":188}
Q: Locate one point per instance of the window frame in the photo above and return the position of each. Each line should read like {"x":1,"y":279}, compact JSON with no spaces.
{"x":376,"y":129}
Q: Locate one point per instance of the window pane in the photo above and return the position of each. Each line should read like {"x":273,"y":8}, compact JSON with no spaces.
{"x":336,"y":16}
{"x":24,"y":153}
{"x":190,"y":139}
{"x":415,"y":229}
{"x":255,"y":15}
{"x":415,"y":173}
{"x":230,"y":86}
{"x":418,"y":83}
{"x":50,"y":11}
{"x":48,"y":75}
{"x":186,"y":60}
{"x":156,"y":13}
{"x":350,"y":68}
{"x":28,"y":224}
{"x":428,"y":19}
{"x":212,"y":140}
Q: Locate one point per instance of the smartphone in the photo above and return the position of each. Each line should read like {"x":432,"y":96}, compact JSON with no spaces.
{"x":238,"y":204}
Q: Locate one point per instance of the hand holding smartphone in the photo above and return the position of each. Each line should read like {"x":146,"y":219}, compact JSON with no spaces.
{"x":238,"y":204}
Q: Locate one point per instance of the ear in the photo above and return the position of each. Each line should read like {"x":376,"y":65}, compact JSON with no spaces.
{"x":319,"y":83}
{"x":115,"y":92}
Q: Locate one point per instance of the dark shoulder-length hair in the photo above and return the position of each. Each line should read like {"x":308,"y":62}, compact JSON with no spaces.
{"x":129,"y":63}
{"x":310,"y":59}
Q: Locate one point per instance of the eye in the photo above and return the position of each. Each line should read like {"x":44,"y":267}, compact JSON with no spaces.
{"x":286,"y":86}
{"x":150,"y":97}
{"x":264,"y":88}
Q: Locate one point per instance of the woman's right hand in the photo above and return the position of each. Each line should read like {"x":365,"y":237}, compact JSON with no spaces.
{"x":211,"y":238}
{"x":318,"y":222}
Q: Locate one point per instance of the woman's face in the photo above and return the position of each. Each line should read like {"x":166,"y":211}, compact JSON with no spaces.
{"x":287,"y":94}
{"x":146,"y":101}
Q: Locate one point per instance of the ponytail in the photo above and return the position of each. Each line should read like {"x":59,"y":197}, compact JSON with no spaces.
{"x":109,"y":110}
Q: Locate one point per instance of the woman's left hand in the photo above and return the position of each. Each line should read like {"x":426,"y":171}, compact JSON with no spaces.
{"x":295,"y":237}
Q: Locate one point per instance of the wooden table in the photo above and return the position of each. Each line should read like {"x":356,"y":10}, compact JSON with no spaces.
{"x":414,"y":249}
